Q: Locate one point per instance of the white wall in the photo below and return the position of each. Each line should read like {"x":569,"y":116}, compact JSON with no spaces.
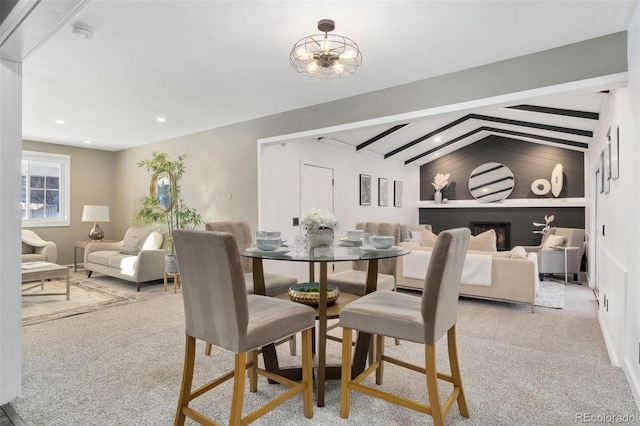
{"x":280,"y":180}
{"x":618,"y":268}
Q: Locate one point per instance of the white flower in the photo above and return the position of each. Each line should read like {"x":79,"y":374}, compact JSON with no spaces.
{"x":440,"y":181}
{"x":545,"y":226}
{"x":316,"y":218}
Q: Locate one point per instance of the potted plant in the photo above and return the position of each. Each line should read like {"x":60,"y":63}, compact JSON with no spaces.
{"x":164,"y":203}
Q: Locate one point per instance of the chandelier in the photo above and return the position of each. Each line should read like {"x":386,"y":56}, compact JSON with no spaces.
{"x":325,"y":55}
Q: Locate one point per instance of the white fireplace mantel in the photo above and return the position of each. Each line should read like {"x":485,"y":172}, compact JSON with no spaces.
{"x":514,"y":203}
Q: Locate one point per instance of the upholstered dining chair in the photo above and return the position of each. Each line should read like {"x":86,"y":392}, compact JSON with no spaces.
{"x":354,"y":280}
{"x":274,"y":283}
{"x":422,"y":320}
{"x":219,"y":311}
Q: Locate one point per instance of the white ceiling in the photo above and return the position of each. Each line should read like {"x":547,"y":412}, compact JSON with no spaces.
{"x":205,"y":64}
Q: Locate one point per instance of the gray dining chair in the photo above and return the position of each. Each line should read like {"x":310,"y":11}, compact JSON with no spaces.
{"x":274,"y":283}
{"x":418,"y":319}
{"x":219,"y":311}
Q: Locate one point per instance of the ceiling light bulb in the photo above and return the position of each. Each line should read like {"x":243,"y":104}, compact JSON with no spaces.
{"x":60,"y":121}
{"x":338,"y":67}
{"x":161,"y":119}
{"x":348,"y":55}
{"x":302,"y":53}
{"x":313,"y":66}
{"x":87,"y":142}
{"x":437,"y":139}
{"x":325,"y":45}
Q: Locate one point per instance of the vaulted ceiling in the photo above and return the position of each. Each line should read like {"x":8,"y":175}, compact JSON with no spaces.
{"x":205,"y":64}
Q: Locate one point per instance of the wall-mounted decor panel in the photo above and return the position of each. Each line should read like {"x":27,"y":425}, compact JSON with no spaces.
{"x":528,"y":161}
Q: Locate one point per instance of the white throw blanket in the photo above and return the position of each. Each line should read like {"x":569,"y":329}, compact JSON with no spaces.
{"x":476,"y":271}
{"x":33,"y":239}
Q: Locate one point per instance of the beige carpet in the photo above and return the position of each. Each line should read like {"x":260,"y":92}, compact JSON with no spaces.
{"x":122,"y":366}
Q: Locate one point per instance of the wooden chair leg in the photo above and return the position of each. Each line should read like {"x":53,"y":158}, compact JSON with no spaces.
{"x":165,"y":281}
{"x":307,"y":374}
{"x":345,"y":393}
{"x":207,"y":349}
{"x":455,"y":370}
{"x":378,"y":358}
{"x":253,"y":372}
{"x":432,"y":384}
{"x":187,"y":379}
{"x":238,"y":388}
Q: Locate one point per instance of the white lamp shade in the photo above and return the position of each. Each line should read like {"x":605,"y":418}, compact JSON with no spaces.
{"x":95,"y":214}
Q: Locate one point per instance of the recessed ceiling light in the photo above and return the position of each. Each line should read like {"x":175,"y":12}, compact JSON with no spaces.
{"x":437,"y":139}
{"x":82,"y":32}
{"x":87,"y":142}
{"x":60,"y":121}
{"x":161,"y":119}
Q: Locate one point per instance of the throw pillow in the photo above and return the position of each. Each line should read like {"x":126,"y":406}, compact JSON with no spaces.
{"x":427,"y":238}
{"x":416,"y":236}
{"x":133,"y":241}
{"x":484,"y":242}
{"x":553,"y":240}
{"x":518,"y":252}
{"x":153,"y":241}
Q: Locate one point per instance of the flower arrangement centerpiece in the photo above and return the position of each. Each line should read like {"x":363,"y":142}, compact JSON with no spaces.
{"x":440,"y":182}
{"x":545,"y":226}
{"x":320,"y":225}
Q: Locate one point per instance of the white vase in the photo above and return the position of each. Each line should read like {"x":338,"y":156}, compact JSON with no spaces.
{"x":320,"y":237}
{"x":437,"y":197}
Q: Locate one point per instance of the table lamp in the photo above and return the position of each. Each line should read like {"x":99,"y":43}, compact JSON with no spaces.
{"x":95,"y":214}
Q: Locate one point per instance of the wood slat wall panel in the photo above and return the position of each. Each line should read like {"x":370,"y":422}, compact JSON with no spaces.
{"x":528,"y":162}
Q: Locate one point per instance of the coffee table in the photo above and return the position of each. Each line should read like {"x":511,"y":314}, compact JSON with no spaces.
{"x":40,"y":271}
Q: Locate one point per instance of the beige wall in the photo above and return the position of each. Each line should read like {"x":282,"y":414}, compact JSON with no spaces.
{"x":92,"y":176}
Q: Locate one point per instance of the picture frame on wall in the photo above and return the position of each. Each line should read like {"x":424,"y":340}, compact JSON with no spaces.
{"x":365,"y":190}
{"x":383,"y":192}
{"x":397,"y":193}
{"x":615,"y":153}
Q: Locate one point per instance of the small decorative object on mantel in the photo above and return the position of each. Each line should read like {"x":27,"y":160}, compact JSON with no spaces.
{"x":440,"y":182}
{"x":545,"y":226}
{"x":320,"y":225}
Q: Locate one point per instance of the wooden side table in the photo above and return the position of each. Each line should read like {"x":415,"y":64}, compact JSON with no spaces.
{"x":176,"y":282}
{"x":81,"y":245}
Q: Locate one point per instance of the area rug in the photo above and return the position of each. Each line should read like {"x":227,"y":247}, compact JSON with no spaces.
{"x":550,"y":295}
{"x":85,"y":297}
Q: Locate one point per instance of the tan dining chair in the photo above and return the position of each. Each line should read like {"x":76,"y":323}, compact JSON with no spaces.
{"x":354,"y":281}
{"x":219,"y":311}
{"x":274,"y":283}
{"x":422,"y":320}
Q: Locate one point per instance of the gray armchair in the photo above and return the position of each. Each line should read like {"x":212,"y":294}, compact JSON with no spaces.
{"x":552,"y":261}
{"x":35,"y":249}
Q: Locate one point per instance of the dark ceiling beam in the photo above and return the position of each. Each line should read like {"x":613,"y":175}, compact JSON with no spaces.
{"x":558,"y":111}
{"x":494,"y":130}
{"x":380,"y":136}
{"x":559,"y":129}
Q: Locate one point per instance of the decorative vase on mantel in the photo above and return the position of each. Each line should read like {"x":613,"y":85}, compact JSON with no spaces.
{"x":437,"y":197}
{"x":320,"y":237}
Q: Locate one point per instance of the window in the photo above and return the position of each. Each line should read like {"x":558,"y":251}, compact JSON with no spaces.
{"x":45,"y":189}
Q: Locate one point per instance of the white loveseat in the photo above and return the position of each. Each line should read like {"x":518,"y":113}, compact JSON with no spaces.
{"x":138,"y":258}
{"x":488,"y":274}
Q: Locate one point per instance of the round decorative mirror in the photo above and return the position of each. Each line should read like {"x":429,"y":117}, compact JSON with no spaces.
{"x":491,"y":182}
{"x":163,"y":188}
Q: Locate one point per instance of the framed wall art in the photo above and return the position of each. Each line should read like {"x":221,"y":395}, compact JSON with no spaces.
{"x":397,"y":193}
{"x":365,"y":190}
{"x":383,"y":192}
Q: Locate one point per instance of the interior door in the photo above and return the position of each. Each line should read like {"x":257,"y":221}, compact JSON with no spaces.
{"x":316,"y":188}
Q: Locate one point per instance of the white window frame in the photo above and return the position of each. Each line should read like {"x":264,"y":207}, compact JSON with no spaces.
{"x":64,"y":161}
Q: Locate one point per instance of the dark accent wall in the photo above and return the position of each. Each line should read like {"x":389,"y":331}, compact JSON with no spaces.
{"x":520,"y":218}
{"x":528,"y":162}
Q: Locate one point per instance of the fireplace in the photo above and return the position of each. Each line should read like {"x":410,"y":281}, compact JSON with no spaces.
{"x":503,"y":232}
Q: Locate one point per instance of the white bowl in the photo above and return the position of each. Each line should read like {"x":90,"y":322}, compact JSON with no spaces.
{"x":381,"y":241}
{"x":355,"y":234}
{"x":268,"y":243}
{"x":271,"y":234}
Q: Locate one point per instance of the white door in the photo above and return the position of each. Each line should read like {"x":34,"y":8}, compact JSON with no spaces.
{"x":316,"y":188}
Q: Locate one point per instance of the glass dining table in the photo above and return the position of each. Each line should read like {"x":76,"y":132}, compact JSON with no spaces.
{"x":322,"y":256}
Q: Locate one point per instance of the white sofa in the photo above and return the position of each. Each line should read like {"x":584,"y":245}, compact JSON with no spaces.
{"x":115,"y":260}
{"x":489,"y":275}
